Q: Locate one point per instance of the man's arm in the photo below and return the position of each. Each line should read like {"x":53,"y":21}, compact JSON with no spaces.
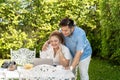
{"x":76,"y":59}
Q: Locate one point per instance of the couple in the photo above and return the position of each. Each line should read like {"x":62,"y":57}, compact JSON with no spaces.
{"x":70,"y":41}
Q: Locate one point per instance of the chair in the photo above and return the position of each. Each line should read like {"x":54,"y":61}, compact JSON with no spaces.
{"x":22,"y":56}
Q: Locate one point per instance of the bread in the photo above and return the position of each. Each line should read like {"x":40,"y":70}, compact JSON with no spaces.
{"x":28,"y":66}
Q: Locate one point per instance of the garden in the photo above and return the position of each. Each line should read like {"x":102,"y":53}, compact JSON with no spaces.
{"x":28,"y":24}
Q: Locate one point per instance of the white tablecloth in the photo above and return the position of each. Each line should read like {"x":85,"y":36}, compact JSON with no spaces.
{"x":40,"y":72}
{"x":5,"y":74}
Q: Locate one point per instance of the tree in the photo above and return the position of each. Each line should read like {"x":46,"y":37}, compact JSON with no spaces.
{"x":110,"y":29}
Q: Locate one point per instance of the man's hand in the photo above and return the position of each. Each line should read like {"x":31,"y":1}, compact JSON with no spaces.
{"x":69,"y":68}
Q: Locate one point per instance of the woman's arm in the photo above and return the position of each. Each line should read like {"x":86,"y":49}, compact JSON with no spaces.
{"x":62,"y":60}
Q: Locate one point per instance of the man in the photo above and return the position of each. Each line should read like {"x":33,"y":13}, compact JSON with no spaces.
{"x":79,"y":46}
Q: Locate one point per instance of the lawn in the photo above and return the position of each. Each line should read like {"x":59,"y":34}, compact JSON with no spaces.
{"x":101,"y":70}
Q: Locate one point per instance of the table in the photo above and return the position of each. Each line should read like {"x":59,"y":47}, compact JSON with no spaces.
{"x":40,"y":72}
{"x":6,"y":75}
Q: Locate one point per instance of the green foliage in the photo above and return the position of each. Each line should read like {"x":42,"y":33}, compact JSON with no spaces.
{"x":116,"y":57}
{"x":11,"y":35}
{"x":101,"y":70}
{"x":28,"y":23}
{"x":110,"y":29}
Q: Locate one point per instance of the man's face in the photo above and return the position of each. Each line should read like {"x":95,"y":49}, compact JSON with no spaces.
{"x":66,"y":31}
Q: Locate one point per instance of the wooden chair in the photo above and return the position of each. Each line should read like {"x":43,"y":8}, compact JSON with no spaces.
{"x":23,"y":55}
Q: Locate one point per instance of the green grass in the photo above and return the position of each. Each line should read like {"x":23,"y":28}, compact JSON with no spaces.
{"x":100,"y":70}
{"x":103,"y":70}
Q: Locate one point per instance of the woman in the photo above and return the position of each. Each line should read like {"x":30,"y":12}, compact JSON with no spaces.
{"x":56,"y":50}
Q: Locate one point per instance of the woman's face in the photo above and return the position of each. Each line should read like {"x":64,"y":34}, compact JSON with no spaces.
{"x":54,"y":41}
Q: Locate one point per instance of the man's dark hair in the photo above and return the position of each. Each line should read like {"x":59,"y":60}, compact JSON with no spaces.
{"x":67,"y":22}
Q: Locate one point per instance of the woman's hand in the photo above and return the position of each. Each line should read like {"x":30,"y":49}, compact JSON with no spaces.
{"x":44,"y":47}
{"x":59,"y":50}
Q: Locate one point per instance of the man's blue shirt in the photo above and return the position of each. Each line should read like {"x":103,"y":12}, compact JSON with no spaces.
{"x":78,"y":41}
